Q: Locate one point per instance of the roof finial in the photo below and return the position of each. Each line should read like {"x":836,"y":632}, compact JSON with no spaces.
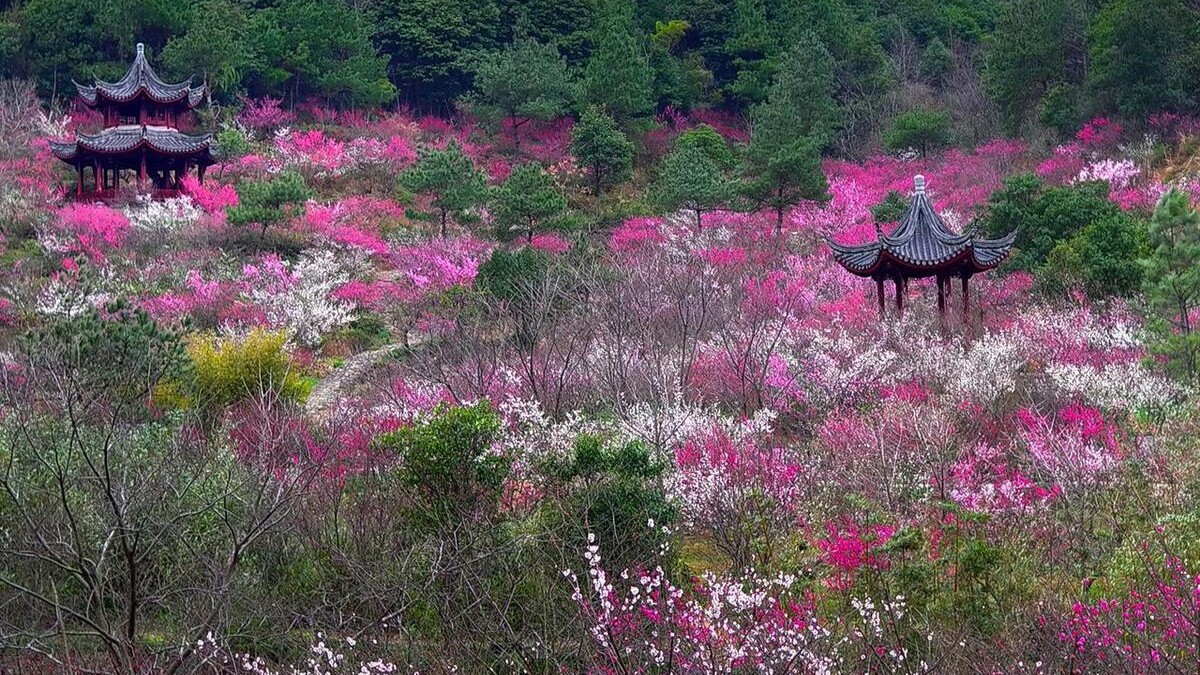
{"x":141,"y":49}
{"x":919,"y":183}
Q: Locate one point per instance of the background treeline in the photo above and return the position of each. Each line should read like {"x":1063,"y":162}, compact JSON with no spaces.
{"x":961,"y":70}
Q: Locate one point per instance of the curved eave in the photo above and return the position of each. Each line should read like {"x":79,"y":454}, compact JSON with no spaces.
{"x":188,"y":96}
{"x":885,"y":263}
{"x":69,"y":152}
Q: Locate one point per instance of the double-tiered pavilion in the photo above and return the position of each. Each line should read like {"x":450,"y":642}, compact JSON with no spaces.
{"x":141,"y":137}
{"x":923,"y":246}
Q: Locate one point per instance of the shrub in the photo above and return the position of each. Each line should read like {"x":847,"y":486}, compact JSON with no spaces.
{"x":229,"y":370}
{"x":449,"y":464}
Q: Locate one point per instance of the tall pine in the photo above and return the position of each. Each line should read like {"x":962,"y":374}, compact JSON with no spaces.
{"x":783,"y":161}
{"x":618,"y":76}
{"x":1172,"y":281}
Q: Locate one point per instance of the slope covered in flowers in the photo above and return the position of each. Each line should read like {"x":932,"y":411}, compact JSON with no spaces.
{"x":1011,"y":493}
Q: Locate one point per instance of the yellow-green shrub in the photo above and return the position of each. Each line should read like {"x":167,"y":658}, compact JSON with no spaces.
{"x":228,"y":370}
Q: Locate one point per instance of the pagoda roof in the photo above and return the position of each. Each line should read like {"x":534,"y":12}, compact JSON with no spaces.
{"x":141,"y":80}
{"x":129,"y":137}
{"x":922,"y":245}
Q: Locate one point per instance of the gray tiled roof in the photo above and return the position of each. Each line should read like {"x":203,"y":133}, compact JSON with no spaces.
{"x":922,"y":244}
{"x":141,"y":79}
{"x":126,"y":138}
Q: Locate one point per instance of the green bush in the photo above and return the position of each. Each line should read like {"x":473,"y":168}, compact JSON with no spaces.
{"x":448,"y":464}
{"x":613,"y":492}
{"x":229,"y":370}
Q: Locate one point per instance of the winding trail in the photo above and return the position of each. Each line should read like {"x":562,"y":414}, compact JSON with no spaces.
{"x":328,"y":390}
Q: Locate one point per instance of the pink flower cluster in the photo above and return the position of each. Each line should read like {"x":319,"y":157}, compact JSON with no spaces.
{"x":93,"y":230}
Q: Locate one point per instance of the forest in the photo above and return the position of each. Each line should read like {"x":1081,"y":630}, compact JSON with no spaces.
{"x":534,"y":337}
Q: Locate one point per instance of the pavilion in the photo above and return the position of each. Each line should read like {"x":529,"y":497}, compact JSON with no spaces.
{"x":922,"y":246}
{"x":141,"y":137}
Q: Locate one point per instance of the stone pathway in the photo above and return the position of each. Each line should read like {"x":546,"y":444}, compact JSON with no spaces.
{"x":327,"y":391}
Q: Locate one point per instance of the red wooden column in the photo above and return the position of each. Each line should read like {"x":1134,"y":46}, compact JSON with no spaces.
{"x":97,"y":173}
{"x":966,"y":300}
{"x":78,"y":178}
{"x":879,"y":294}
{"x":142,"y":172}
{"x":899,"y":295}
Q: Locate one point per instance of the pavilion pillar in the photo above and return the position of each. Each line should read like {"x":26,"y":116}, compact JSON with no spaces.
{"x":142,"y":172}
{"x":879,"y":294}
{"x":941,"y":291}
{"x":200,"y":173}
{"x":966,"y":300}
{"x":97,"y":177}
{"x":899,"y":295}
{"x":78,"y":178}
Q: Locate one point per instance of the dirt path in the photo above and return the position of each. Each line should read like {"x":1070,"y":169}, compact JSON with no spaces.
{"x":328,"y":390}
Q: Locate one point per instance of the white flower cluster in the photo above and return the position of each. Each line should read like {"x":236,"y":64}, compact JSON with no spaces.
{"x":1117,"y":172}
{"x":67,"y":296}
{"x":981,"y":372}
{"x":324,"y":660}
{"x":1116,"y":386}
{"x":303,"y":304}
{"x":532,"y":434}
{"x":162,"y":216}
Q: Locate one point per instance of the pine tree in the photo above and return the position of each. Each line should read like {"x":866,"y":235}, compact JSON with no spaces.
{"x":936,"y":62}
{"x":783,"y":177}
{"x":601,"y":148}
{"x":752,"y":49}
{"x":269,"y":202}
{"x":451,"y":180}
{"x":1172,"y":280}
{"x":919,"y":130}
{"x":783,"y":160}
{"x":525,"y":81}
{"x":526,"y":202}
{"x":618,"y":76}
{"x":689,"y":179}
{"x":801,"y":101}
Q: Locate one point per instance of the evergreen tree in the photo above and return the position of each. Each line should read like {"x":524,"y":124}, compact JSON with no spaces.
{"x":526,"y":202}
{"x":566,"y":24}
{"x":801,"y":101}
{"x":1172,"y":281}
{"x":680,"y":80}
{"x":752,"y":51}
{"x":525,"y":81}
{"x":712,"y":144}
{"x":315,"y":48}
{"x":449,"y":178}
{"x":1143,"y":56}
{"x":782,"y":177}
{"x":618,"y":77}
{"x":435,"y":45}
{"x":600,"y":147}
{"x":215,"y":47}
{"x":689,"y":179}
{"x":1060,"y":110}
{"x":918,"y":129}
{"x":1026,"y":55}
{"x":891,"y":209}
{"x":269,"y":202}
{"x":936,"y":62}
{"x":783,"y":160}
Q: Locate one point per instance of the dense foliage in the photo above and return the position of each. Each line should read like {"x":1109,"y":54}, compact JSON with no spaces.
{"x":1022,"y":64}
{"x":505,"y":338}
